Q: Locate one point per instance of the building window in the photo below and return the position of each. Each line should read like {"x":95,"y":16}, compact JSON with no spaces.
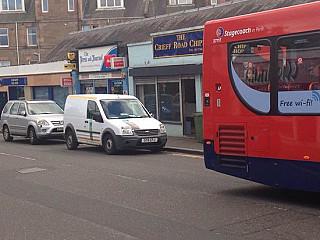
{"x":4,"y":63}
{"x":4,"y":38}
{"x":110,"y":3}
{"x":180,"y":2}
{"x":12,"y":5}
{"x":32,"y":36}
{"x":45,"y":6}
{"x":33,"y":61}
{"x":86,"y":27}
{"x":70,"y":5}
{"x":214,"y":2}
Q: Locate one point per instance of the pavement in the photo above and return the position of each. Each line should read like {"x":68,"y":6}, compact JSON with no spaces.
{"x":185,"y":144}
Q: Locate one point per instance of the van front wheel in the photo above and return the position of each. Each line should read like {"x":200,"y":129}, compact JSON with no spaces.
{"x":71,"y":140}
{"x":108,"y":144}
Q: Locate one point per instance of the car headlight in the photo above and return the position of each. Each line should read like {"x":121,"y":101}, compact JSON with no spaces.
{"x":126,"y":131}
{"x":162,"y":128}
{"x":42,"y":122}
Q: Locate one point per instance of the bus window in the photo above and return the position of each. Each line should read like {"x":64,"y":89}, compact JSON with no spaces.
{"x":250,"y":63}
{"x":299,"y":78}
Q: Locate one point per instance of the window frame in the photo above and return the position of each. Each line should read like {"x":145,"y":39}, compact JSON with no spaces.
{"x":214,"y":2}
{"x":5,"y":65}
{"x":4,"y":35}
{"x":99,"y":4}
{"x":15,"y":8}
{"x":30,"y":35}
{"x":45,"y":3}
{"x":69,"y":6}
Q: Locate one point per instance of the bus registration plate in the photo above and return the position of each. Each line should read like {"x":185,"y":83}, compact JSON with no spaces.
{"x":149,"y":140}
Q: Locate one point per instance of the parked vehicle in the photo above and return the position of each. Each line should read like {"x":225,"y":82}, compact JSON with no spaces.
{"x":115,"y":122}
{"x":33,"y":119}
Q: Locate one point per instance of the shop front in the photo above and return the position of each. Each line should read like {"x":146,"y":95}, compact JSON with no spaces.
{"x":167,"y":80}
{"x":101,"y":71}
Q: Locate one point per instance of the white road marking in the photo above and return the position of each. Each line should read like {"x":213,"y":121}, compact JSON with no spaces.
{"x":17,"y":156}
{"x":186,"y":155}
{"x":31,"y":170}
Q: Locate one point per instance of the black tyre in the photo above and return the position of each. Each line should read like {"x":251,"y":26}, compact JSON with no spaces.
{"x":71,"y":142}
{"x":33,"y":139}
{"x":6,"y":134}
{"x":109,"y":145}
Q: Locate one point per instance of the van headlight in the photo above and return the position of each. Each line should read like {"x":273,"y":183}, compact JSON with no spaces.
{"x":42,"y":122}
{"x":162,"y":128}
{"x":126,"y":131}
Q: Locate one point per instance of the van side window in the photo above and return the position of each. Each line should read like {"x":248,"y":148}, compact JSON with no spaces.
{"x":14,"y":109}
{"x":91,"y":109}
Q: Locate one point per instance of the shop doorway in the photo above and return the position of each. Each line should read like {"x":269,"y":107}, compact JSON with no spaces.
{"x":3,"y":100}
{"x":188,"y":105}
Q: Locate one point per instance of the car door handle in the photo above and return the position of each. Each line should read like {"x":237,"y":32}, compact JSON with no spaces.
{"x":85,"y":121}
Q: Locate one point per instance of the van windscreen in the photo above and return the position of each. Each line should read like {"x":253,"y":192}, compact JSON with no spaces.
{"x":129,"y":108}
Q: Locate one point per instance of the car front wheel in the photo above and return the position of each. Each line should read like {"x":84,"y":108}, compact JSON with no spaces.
{"x":33,"y":138}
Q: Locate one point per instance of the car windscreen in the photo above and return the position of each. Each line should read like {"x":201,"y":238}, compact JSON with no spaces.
{"x":129,"y":108}
{"x":44,"y":108}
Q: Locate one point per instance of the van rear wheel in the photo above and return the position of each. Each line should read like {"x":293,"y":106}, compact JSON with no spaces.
{"x":71,"y":142}
{"x":108,"y":145}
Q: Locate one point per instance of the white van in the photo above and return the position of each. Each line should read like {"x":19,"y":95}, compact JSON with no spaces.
{"x":115,"y":122}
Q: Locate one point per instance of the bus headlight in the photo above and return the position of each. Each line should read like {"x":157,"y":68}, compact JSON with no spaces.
{"x":162,"y":128}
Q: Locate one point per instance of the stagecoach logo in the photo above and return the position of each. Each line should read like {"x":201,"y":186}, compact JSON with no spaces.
{"x":220,"y":32}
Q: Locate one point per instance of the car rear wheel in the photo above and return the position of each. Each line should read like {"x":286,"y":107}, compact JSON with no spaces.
{"x":108,"y":145}
{"x":6,"y":134}
{"x":71,"y":142}
{"x":33,"y":138}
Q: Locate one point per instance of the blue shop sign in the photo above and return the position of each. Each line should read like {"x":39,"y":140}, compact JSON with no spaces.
{"x":179,"y":44}
{"x":13,"y":81}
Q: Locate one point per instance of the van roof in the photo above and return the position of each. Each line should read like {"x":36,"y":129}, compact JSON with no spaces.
{"x":102,"y":96}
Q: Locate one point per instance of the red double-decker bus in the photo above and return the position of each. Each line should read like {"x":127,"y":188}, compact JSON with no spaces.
{"x":261,"y":91}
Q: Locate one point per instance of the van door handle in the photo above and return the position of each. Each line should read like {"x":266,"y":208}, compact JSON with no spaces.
{"x":85,"y":121}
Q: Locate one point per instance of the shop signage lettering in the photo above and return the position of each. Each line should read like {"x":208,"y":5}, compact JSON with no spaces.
{"x":96,"y":59}
{"x":13,"y":81}
{"x":181,"y":44}
{"x":66,"y":81}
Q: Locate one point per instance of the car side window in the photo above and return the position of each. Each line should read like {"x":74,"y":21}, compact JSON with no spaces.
{"x":22,"y":108}
{"x":14,"y":109}
{"x":6,"y":107}
{"x":91,"y":109}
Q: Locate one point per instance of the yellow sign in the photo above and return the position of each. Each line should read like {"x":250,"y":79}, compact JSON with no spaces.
{"x":71,"y":55}
{"x":70,"y":66}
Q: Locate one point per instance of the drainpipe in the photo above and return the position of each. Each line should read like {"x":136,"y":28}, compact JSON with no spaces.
{"x":17,"y":44}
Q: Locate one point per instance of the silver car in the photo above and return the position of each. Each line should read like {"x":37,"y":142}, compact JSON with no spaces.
{"x":34,"y":119}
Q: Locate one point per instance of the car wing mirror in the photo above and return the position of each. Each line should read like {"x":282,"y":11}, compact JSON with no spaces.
{"x":23,"y":113}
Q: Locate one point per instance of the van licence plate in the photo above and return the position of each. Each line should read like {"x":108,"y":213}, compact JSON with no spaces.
{"x":149,"y":140}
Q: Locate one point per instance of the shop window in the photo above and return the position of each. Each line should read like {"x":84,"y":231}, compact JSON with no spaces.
{"x":4,"y":38}
{"x":12,"y":5}
{"x":32,"y":36}
{"x":169,"y":101}
{"x":41,"y":93}
{"x":147,"y":95}
{"x":60,"y":95}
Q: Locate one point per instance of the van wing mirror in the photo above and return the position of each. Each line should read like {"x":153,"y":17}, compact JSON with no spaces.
{"x":97,"y":117}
